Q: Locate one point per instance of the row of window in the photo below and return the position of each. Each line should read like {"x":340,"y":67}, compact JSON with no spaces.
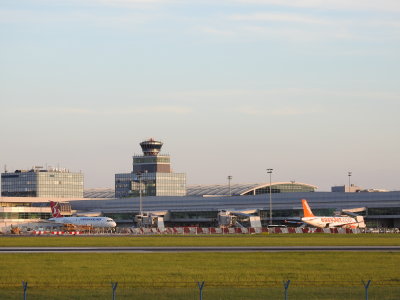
{"x":24,"y":215}
{"x":151,"y":159}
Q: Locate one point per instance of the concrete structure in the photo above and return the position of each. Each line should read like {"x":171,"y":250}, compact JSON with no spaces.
{"x":346,"y":189}
{"x":355,"y":189}
{"x":151,"y":175}
{"x":39,"y":182}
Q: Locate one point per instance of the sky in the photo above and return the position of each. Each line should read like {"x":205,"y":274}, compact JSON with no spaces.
{"x":309,"y":88}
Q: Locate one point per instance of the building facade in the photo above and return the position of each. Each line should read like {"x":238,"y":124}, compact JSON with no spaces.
{"x":378,"y":209}
{"x":39,"y":182}
{"x":151,"y":175}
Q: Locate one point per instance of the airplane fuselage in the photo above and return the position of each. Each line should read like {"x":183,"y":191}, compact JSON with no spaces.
{"x":103,"y":222}
{"x":331,"y":222}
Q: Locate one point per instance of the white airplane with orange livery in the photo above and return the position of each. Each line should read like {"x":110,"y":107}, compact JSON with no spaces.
{"x":330,"y":222}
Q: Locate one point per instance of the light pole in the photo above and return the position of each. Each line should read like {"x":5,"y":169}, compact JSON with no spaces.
{"x":139,"y":175}
{"x":269,"y":171}
{"x":349,"y":174}
{"x":293,"y":182}
{"x":229,"y":183}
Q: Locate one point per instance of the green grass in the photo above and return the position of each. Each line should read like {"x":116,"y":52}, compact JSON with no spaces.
{"x":226,"y":240}
{"x":209,"y":293}
{"x":332,"y":275}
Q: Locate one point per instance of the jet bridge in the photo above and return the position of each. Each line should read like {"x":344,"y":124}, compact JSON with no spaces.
{"x":238,"y":219}
{"x":151,"y":220}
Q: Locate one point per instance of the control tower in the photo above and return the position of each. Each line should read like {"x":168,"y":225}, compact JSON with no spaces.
{"x":151,"y":175}
{"x":151,"y":161}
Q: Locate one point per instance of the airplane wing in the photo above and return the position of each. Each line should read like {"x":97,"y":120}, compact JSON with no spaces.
{"x":352,"y":211}
{"x":295,"y":221}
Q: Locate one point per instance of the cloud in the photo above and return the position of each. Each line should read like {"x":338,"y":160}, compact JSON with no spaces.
{"x":215,"y":31}
{"x":277,"y":17}
{"x":356,"y":5}
{"x":74,"y":17}
{"x":123,"y":3}
{"x":282,"y":111}
{"x":178,"y":110}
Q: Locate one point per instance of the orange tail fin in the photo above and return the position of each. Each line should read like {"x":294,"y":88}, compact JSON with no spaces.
{"x":306,"y":209}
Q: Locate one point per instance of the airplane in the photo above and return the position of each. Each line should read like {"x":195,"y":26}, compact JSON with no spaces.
{"x":102,"y":222}
{"x":330,"y":222}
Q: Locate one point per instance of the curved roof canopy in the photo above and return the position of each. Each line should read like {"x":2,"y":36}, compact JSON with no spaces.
{"x":238,"y":189}
{"x":248,"y":189}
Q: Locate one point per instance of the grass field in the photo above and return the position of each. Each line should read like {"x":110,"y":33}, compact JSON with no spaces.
{"x":226,"y":240}
{"x":144,"y":276}
{"x":317,"y":275}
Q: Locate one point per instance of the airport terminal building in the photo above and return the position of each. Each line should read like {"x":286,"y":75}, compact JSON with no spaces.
{"x":380,"y":209}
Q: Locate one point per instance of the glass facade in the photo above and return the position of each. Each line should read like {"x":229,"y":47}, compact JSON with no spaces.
{"x":151,"y":164}
{"x":19,"y":184}
{"x":30,"y":210}
{"x":384,"y":211}
{"x":43,"y":183}
{"x":24,"y":215}
{"x":170,"y":184}
{"x":283,"y":188}
{"x":150,"y":184}
{"x":123,"y":184}
{"x":151,"y":159}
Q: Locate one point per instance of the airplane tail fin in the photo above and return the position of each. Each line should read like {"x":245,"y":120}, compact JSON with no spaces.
{"x":55,"y":209}
{"x":306,"y":209}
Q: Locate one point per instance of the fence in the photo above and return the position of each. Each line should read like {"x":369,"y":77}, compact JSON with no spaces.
{"x":217,"y":230}
{"x":250,"y":230}
{"x":202,"y":290}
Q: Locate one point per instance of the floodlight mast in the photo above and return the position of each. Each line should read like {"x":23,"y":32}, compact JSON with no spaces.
{"x":140,"y":175}
{"x":269,"y":171}
{"x":349,"y":174}
{"x":229,"y":183}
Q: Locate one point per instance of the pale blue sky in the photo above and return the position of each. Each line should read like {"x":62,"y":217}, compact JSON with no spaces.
{"x":307,"y":87}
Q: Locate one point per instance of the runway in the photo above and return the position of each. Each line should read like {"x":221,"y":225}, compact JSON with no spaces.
{"x":197,"y":249}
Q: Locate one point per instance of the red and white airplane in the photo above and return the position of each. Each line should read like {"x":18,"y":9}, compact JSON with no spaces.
{"x":102,"y":222}
{"x":330,"y":222}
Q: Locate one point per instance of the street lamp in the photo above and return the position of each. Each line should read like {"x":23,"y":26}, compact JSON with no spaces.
{"x":229,"y":183}
{"x":139,"y":176}
{"x":269,"y":171}
{"x":349,"y":174}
